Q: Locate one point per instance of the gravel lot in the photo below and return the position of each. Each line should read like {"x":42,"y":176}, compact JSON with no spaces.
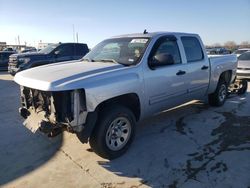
{"x":191,"y":146}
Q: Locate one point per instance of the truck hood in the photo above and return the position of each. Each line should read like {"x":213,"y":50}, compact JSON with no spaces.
{"x":64,"y":75}
{"x":28,"y":54}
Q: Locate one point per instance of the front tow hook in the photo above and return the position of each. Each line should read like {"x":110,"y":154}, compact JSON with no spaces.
{"x":24,"y":112}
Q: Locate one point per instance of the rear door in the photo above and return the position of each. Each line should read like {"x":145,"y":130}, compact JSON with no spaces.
{"x":197,"y":66}
{"x":65,"y":52}
{"x":80,"y":50}
{"x":165,"y":86}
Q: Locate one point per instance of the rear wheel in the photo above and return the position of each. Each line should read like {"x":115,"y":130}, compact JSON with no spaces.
{"x":114,"y":132}
{"x":218,"y":98}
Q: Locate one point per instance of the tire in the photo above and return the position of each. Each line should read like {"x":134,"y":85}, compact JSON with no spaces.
{"x":243,"y":87}
{"x":114,"y":132}
{"x":218,"y":98}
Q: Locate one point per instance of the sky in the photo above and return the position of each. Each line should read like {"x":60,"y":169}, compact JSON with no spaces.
{"x":216,"y":21}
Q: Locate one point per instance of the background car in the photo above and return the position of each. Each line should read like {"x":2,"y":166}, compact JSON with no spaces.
{"x":30,"y":49}
{"x":9,"y":49}
{"x":4,"y":59}
{"x":217,"y":51}
{"x":241,"y":51}
{"x":51,"y":54}
{"x":243,"y":70}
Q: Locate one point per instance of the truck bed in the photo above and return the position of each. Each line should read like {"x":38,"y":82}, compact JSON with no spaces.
{"x":219,"y":64}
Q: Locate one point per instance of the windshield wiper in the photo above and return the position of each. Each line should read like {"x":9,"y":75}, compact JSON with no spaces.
{"x":87,"y":59}
{"x":106,"y":60}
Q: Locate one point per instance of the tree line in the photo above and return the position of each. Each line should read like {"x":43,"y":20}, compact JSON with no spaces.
{"x":231,"y":45}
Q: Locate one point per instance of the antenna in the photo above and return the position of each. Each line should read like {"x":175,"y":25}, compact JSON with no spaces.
{"x":145,"y":31}
{"x":76,"y":37}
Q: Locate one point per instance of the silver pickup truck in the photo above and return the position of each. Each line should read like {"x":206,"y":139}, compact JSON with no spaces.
{"x":121,"y":81}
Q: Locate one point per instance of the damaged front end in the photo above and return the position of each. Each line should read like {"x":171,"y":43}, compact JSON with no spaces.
{"x":51,"y":112}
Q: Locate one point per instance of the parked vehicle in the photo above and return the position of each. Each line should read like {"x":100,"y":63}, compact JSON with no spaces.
{"x":121,"y":81}
{"x":4,"y":59}
{"x":210,"y":51}
{"x":217,"y":51}
{"x":51,"y":54}
{"x":241,"y":51}
{"x":243,"y":70}
{"x":9,"y":49}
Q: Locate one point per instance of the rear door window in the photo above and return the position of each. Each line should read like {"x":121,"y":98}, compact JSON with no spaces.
{"x":80,"y":50}
{"x":65,"y":50}
{"x":192,"y":49}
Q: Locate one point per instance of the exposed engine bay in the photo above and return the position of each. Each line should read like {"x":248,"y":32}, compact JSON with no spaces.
{"x":51,"y":112}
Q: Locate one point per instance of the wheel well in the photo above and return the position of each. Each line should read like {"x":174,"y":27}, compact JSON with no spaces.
{"x":130,"y":101}
{"x":227,"y":76}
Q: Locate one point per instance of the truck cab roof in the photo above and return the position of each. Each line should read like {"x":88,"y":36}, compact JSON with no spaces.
{"x":154,"y":34}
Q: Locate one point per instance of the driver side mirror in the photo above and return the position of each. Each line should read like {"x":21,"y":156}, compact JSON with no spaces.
{"x":57,"y":52}
{"x":160,"y":60}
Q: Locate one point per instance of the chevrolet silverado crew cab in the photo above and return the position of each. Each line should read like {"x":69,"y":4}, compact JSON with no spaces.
{"x":121,"y":81}
{"x":51,"y":54}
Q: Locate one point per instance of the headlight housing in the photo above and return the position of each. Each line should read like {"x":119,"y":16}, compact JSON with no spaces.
{"x":24,"y":60}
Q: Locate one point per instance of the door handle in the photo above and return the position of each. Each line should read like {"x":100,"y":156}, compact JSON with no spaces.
{"x":180,"y":72}
{"x":204,"y":67}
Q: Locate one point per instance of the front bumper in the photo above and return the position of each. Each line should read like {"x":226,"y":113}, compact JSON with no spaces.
{"x":13,"y":69}
{"x":51,"y":111}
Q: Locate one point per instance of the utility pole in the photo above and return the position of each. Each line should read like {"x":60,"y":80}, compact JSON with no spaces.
{"x":18,"y":39}
{"x":73,"y":32}
{"x":77,"y":37}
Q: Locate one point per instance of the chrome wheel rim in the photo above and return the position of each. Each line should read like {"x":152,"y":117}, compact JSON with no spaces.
{"x":222,"y":93}
{"x":118,"y":133}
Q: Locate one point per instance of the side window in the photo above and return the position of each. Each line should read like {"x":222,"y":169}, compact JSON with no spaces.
{"x":192,"y":49}
{"x":85,"y":49}
{"x":81,"y":50}
{"x":78,"y":50}
{"x":65,"y":50}
{"x":169,"y":47}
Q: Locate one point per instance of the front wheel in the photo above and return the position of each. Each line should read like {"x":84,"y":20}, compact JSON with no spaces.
{"x":218,"y":98}
{"x":114,"y":132}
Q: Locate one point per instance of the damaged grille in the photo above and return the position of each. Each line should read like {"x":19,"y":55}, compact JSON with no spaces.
{"x":13,"y":61}
{"x":53,"y":111}
{"x":57,"y":106}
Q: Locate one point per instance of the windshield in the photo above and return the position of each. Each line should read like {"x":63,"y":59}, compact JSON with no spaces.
{"x":244,"y":57}
{"x":48,"y":49}
{"x":126,"y":51}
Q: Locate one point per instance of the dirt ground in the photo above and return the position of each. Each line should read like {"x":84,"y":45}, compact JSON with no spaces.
{"x":191,"y":146}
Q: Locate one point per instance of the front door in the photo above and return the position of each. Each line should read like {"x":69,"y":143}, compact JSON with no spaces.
{"x":165,"y":86}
